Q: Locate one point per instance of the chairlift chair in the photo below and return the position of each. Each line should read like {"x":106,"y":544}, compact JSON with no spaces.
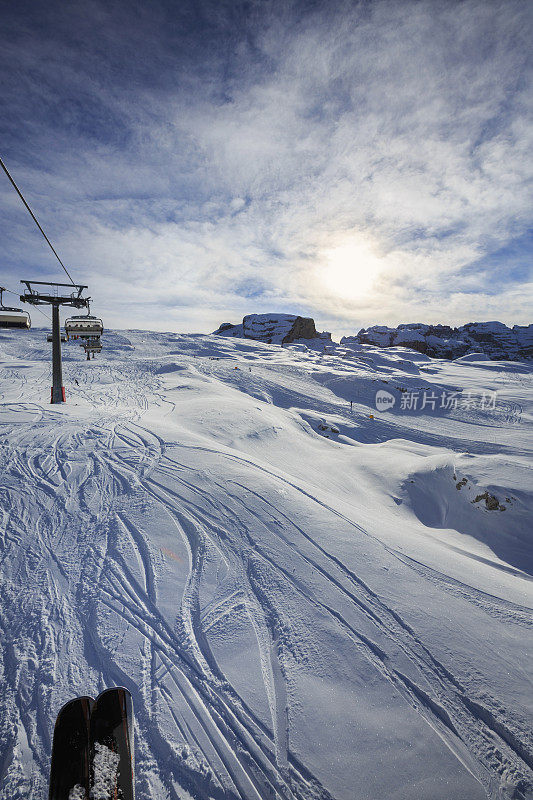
{"x":93,"y":346}
{"x":84,"y":326}
{"x":13,"y":317}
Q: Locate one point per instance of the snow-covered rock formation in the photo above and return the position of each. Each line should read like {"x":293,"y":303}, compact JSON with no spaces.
{"x":524,"y":337}
{"x":493,"y":339}
{"x":273,"y":328}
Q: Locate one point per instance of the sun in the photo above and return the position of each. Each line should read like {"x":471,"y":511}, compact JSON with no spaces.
{"x":350,"y":268}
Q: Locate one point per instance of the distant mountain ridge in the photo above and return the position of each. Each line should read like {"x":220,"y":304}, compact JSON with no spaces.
{"x":494,"y":339}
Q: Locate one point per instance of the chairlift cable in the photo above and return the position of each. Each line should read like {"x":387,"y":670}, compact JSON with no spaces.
{"x":35,"y":219}
{"x":17,"y":294}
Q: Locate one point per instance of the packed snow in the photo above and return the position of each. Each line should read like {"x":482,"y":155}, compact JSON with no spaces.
{"x":105,"y":771}
{"x":308,"y":598}
{"x":77,"y":793}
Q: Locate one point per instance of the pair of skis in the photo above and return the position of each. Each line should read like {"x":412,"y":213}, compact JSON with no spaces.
{"x":92,"y":751}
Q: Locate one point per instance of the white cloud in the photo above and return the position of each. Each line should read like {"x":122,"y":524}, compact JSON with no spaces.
{"x":393,"y":134}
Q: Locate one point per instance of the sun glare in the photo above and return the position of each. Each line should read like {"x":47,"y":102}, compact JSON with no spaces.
{"x":349,"y":269}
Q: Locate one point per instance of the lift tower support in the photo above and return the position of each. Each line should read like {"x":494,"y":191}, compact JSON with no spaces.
{"x":53,"y":298}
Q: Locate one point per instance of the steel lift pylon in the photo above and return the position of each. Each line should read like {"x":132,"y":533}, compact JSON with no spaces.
{"x":36,"y":297}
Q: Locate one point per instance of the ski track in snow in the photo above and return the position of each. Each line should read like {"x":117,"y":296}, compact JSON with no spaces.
{"x":125,"y":551}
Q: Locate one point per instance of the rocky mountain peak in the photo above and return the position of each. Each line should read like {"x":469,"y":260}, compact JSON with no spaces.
{"x":273,"y":328}
{"x":494,"y":339}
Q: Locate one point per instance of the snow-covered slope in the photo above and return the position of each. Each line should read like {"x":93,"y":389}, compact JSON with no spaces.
{"x":308,"y":598}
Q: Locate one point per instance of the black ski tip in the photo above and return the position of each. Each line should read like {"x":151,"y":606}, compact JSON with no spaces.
{"x":112,"y":745}
{"x":70,"y":749}
{"x":84,"y":699}
{"x":114,"y":691}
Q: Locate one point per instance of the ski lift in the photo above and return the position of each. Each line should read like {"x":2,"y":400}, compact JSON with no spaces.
{"x":91,"y":346}
{"x":84,"y":326}
{"x":12,"y":317}
{"x":50,"y":338}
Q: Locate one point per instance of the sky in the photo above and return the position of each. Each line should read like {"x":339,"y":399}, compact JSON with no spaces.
{"x":358,"y":162}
